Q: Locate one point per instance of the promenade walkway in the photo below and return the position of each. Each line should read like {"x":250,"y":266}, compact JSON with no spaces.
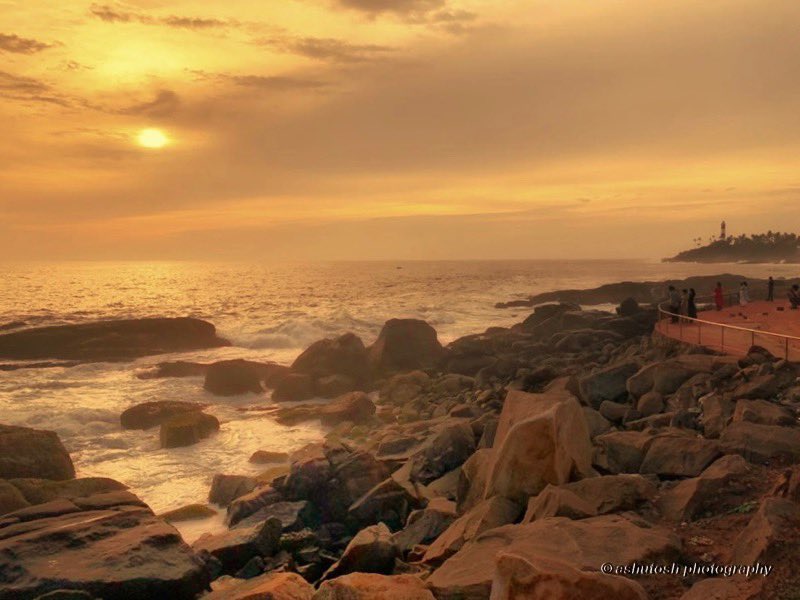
{"x":734,"y":329}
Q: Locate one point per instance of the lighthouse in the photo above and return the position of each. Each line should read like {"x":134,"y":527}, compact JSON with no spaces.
{"x":722,"y":232}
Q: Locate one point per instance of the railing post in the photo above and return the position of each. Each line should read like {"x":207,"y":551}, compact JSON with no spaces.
{"x":752,"y":338}
{"x":722,"y":338}
{"x":699,"y":333}
{"x":787,"y":348}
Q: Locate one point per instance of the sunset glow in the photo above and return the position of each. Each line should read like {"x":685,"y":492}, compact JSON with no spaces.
{"x":344,"y":126}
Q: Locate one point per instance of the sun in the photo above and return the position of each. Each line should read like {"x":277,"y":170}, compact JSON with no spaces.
{"x":152,"y":138}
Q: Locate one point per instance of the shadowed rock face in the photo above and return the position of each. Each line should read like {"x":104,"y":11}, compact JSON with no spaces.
{"x":109,"y":545}
{"x":405,"y":345}
{"x":110,"y":340}
{"x":28,"y":452}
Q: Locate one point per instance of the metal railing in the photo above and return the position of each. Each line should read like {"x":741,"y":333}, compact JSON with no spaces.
{"x":729,"y":339}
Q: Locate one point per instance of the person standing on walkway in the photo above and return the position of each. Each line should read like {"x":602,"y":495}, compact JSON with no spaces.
{"x":771,"y":289}
{"x":719,"y":297}
{"x":744,"y":294}
{"x":691,"y":307}
{"x":674,"y":303}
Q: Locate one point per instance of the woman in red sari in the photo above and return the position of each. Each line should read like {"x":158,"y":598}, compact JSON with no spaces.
{"x":719,"y":299}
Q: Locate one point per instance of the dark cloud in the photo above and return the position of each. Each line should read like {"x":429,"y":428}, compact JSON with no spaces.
{"x":20,"y":45}
{"x":329,"y":49}
{"x":399,"y":7}
{"x":165,"y":103}
{"x":28,"y":89}
{"x":111,"y":14}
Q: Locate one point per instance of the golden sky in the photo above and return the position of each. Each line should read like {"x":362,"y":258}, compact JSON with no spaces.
{"x":394,"y":128}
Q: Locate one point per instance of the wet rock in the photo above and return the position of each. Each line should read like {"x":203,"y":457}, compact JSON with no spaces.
{"x":178,"y":368}
{"x":293,"y":516}
{"x":235,"y":547}
{"x":443,"y":452}
{"x":294,"y":387}
{"x":541,"y":439}
{"x":404,"y":387}
{"x":592,"y":496}
{"x":333,"y":386}
{"x":152,"y":414}
{"x":369,"y":586}
{"x":110,"y":340}
{"x":344,"y":356}
{"x":582,"y":545}
{"x":763,"y":413}
{"x":39,"y":491}
{"x":761,"y":443}
{"x":774,"y":524}
{"x":261,"y":457}
{"x":37,"y":453}
{"x":115,"y":553}
{"x":190,"y":512}
{"x":516,"y":577}
{"x":187,"y":429}
{"x":248,"y":504}
{"x":227,"y":488}
{"x":405,"y":345}
{"x":355,"y":407}
{"x":370,"y":551}
{"x":692,"y":497}
{"x":677,"y":454}
{"x":271,"y":586}
{"x":486,"y":515}
{"x":232,"y":378}
{"x":606,"y":384}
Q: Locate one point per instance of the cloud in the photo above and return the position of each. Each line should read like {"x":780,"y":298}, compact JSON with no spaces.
{"x":19,"y":45}
{"x":330,"y":49}
{"x":165,"y":103}
{"x":276,"y":83}
{"x":110,"y":14}
{"x":28,"y":89}
{"x":398,"y":7}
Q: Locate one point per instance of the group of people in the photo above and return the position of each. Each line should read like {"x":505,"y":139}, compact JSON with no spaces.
{"x":682,"y":304}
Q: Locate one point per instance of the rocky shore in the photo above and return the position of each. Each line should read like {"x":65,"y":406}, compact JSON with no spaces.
{"x":542,"y":461}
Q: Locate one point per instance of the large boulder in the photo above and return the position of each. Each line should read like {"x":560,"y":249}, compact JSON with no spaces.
{"x":444,"y":451}
{"x":767,"y":385}
{"x":344,"y":355}
{"x":353,"y":406}
{"x":621,"y":451}
{"x":763,"y":412}
{"x":592,"y":496}
{"x":294,"y":387}
{"x":487,"y":515}
{"x":271,"y":586}
{"x":760,"y":443}
{"x":518,"y":578}
{"x":40,"y":491}
{"x":109,"y":545}
{"x":370,"y":586}
{"x":541,"y":439}
{"x":425,"y":525}
{"x":582,"y":545}
{"x":187,"y":429}
{"x":232,"y":377}
{"x":235,"y":547}
{"x":692,"y":497}
{"x":36,"y":453}
{"x":152,"y":414}
{"x":110,"y":340}
{"x":227,"y":488}
{"x":773,"y":526}
{"x":678,"y":454}
{"x":405,"y":345}
{"x":248,"y":504}
{"x":370,"y":551}
{"x":606,"y":384}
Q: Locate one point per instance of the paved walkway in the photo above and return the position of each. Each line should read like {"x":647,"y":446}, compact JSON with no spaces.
{"x":762,"y":317}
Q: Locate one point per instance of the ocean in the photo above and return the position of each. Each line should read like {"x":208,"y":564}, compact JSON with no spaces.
{"x":269,"y":312}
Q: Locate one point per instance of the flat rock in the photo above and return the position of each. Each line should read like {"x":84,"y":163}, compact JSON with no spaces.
{"x":227,"y":488}
{"x":775,"y":523}
{"x":621,"y":451}
{"x":187,"y":429}
{"x":761,"y":443}
{"x":582,"y":545}
{"x":353,"y":406}
{"x":36,"y":453}
{"x":370,"y":551}
{"x":117,"y":553}
{"x":677,"y":454}
{"x":272,"y":586}
{"x":763,"y":412}
{"x":232,"y":378}
{"x":235,"y":547}
{"x":606,"y":384}
{"x":110,"y":340}
{"x":370,"y":586}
